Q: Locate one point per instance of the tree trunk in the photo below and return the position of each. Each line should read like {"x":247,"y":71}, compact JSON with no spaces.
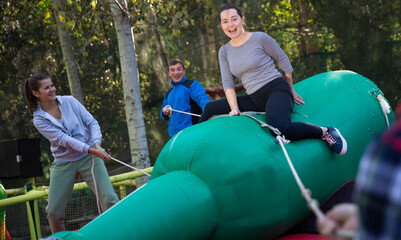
{"x":204,"y":57}
{"x":161,"y":55}
{"x":159,"y":47}
{"x":309,"y":43}
{"x":68,"y":55}
{"x":132,"y":95}
{"x":212,"y":46}
{"x":261,"y":13}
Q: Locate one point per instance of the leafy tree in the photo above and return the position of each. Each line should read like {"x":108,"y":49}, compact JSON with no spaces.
{"x":68,"y":54}
{"x":24,"y":47}
{"x":317,"y":35}
{"x":132,"y":95}
{"x":365,"y":31}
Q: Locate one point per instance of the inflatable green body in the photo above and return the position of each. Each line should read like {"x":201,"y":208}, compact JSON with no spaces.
{"x":227,"y":178}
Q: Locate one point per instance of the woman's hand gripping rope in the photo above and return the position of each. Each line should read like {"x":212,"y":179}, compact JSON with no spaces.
{"x":98,"y":151}
{"x":101,"y":153}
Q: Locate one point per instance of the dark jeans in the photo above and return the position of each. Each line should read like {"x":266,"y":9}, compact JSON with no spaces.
{"x":275,"y":98}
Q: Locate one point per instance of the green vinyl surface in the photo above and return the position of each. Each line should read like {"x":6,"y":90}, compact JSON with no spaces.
{"x":239,"y":184}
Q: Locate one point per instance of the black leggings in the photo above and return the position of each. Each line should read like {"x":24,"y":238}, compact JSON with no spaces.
{"x":275,"y":98}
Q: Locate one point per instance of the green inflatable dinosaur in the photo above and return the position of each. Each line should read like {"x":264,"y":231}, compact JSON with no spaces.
{"x":227,"y":178}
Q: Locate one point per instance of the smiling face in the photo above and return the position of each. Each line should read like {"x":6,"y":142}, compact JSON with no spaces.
{"x":231,"y":23}
{"x":46,"y":91}
{"x":176,"y":72}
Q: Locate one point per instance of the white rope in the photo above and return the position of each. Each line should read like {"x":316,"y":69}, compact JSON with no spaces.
{"x":306,"y":193}
{"x":94,"y":179}
{"x":127,"y":165}
{"x":385,"y":108}
{"x":262,"y":124}
{"x":192,"y":114}
{"x":94,"y":183}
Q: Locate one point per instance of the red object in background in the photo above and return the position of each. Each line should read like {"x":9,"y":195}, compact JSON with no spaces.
{"x":215,"y":92}
{"x":397,"y":111}
{"x":8,"y":237}
{"x":303,"y":236}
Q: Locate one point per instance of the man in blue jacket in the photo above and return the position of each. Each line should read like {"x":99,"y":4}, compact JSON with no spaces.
{"x":185,"y":95}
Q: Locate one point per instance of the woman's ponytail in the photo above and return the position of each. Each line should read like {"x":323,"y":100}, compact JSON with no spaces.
{"x":32,"y":84}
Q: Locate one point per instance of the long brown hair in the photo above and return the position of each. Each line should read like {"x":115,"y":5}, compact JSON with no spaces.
{"x":32,"y":84}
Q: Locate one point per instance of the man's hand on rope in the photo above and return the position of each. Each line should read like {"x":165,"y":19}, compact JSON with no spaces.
{"x":167,"y":111}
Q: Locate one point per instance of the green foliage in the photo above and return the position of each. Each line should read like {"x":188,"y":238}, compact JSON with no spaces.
{"x":366,"y":31}
{"x":25,"y":48}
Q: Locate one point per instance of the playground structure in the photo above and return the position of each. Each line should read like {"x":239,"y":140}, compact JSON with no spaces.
{"x":26,"y":205}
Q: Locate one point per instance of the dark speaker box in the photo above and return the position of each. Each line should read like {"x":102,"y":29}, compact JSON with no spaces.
{"x":20,"y":158}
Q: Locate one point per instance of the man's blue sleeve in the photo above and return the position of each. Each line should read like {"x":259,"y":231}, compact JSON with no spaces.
{"x":198,"y":94}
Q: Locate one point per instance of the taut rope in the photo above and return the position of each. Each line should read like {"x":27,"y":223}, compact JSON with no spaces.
{"x":192,"y":114}
{"x":127,"y":165}
{"x":306,"y":193}
{"x":384,"y":105}
{"x":94,"y":179}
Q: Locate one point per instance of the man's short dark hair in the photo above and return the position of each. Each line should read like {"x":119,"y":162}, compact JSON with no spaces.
{"x":176,"y":61}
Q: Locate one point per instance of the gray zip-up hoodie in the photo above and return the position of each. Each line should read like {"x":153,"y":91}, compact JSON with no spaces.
{"x":71,"y":140}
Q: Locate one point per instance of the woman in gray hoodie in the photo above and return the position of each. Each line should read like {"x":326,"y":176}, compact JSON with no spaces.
{"x":75,"y":139}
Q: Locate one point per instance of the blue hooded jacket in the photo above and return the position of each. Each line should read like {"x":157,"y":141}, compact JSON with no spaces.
{"x":179,"y":99}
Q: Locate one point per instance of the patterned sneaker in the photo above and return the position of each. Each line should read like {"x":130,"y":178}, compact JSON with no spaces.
{"x":335,"y":140}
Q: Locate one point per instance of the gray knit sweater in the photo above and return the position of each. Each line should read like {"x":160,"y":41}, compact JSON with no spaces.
{"x":252,"y":62}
